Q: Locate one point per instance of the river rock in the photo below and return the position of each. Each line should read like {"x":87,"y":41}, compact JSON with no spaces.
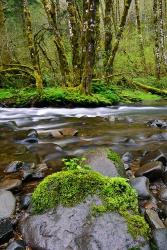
{"x":154,"y":219}
{"x":10,"y":184}
{"x":152,"y":170}
{"x":158,"y":137}
{"x":157,"y":123}
{"x":7,"y":204}
{"x":75,"y":228}
{"x":156,"y":155}
{"x":163,"y":195}
{"x":141,"y":184}
{"x":25,"y":201}
{"x":14,"y":167}
{"x":68,"y":132}
{"x":127,"y":157}
{"x":17,"y":245}
{"x":56,"y":134}
{"x":160,"y":238}
{"x":99,"y":161}
{"x":6,"y":230}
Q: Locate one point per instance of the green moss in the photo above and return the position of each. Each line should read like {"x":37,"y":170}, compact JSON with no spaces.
{"x":137,"y":225}
{"x":71,"y":187}
{"x":113,"y":156}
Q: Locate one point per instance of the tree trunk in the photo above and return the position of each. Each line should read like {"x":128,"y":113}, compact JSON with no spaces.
{"x":50,"y":10}
{"x":108,"y":34}
{"x":75,"y":37}
{"x":162,"y":36}
{"x":119,"y":35}
{"x":5,"y":54}
{"x":89,"y":46}
{"x":157,"y":47}
{"x":32,"y":46}
{"x":140,"y":34}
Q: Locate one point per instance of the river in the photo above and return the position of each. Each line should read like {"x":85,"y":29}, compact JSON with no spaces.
{"x":124,"y":128}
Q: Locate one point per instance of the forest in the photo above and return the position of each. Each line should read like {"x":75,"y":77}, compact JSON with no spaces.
{"x":95,"y":52}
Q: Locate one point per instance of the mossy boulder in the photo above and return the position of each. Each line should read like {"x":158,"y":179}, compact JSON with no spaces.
{"x":81,"y":209}
{"x":76,"y":228}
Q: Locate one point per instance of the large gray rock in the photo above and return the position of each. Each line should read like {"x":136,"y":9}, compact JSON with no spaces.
{"x":160,"y":238}
{"x":75,"y":228}
{"x":98,"y":160}
{"x":7,"y":204}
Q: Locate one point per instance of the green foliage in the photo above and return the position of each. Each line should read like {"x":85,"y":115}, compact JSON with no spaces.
{"x":75,"y":164}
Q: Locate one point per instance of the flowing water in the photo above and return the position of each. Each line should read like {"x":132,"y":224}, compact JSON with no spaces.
{"x":124,"y":128}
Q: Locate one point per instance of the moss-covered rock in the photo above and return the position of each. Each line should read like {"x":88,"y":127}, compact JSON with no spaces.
{"x":69,"y":188}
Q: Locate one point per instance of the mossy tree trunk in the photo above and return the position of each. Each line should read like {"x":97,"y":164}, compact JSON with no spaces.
{"x":140,"y":34}
{"x":119,"y":35}
{"x":108,"y":34}
{"x":90,"y":10}
{"x":32,"y":46}
{"x":157,"y":41}
{"x":162,"y":35}
{"x":50,"y":9}
{"x":5,"y":53}
{"x":75,"y":37}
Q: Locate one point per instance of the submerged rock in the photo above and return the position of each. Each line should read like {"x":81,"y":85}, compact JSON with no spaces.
{"x":75,"y":228}
{"x":7,"y":204}
{"x":157,"y":124}
{"x":68,"y":132}
{"x":152,"y":170}
{"x":6,"y":230}
{"x":14,"y":167}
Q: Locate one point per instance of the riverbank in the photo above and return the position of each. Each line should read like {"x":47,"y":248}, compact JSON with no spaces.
{"x":58,"y":97}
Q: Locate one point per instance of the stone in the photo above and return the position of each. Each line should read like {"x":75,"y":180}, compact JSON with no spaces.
{"x":25,"y":201}
{"x":75,"y":228}
{"x":154,"y":219}
{"x":98,"y":160}
{"x":10,"y":184}
{"x":68,"y":132}
{"x":163,"y":195}
{"x":157,"y":123}
{"x":152,"y":170}
{"x":56,"y":134}
{"x":160,"y":238}
{"x":7,"y":204}
{"x":141,"y":184}
{"x":6,"y":230}
{"x":14,"y":167}
{"x":17,"y":245}
{"x":127,"y":158}
{"x":32,"y":133}
{"x":156,"y":155}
